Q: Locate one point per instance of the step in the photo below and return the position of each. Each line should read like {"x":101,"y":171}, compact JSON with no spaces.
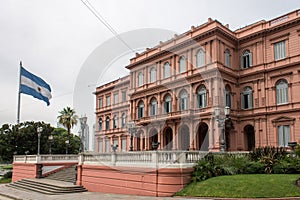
{"x":49,"y":187}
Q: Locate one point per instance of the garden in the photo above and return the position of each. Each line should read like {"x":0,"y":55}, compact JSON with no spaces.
{"x":265,"y":172}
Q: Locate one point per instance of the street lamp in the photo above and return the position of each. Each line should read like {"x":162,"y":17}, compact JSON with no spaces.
{"x":131,"y":131}
{"x":83,"y":121}
{"x":39,"y":131}
{"x":67,"y":144}
{"x":224,"y":124}
{"x":50,"y":138}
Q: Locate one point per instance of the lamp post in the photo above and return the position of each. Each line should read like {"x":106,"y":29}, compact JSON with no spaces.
{"x":39,"y":131}
{"x":67,"y":144}
{"x":131,"y":131}
{"x":82,"y":124}
{"x":224,"y":124}
{"x":50,"y":138}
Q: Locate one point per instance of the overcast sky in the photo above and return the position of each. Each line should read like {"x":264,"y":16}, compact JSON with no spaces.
{"x":54,"y":38}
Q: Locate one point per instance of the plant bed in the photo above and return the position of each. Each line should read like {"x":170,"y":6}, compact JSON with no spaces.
{"x":245,"y":186}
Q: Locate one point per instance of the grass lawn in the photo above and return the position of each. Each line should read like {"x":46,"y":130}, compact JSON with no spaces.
{"x":250,"y":185}
{"x":5,"y":180}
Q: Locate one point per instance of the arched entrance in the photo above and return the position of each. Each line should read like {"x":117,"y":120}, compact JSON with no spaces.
{"x":168,"y":138}
{"x":249,"y":137}
{"x":153,"y":137}
{"x":203,"y":138}
{"x":184,"y":138}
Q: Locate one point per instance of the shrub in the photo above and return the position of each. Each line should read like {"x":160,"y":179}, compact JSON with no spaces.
{"x":8,"y":174}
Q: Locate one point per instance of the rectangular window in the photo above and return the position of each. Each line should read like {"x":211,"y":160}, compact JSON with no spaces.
{"x":101,"y":103}
{"x":123,"y":148}
{"x":140,"y":112}
{"x":116,"y":98}
{"x":100,"y":146}
{"x":247,"y":101}
{"x":107,"y":100}
{"x":168,"y":107}
{"x":279,"y":50}
{"x":201,"y":99}
{"x":283,"y":136}
{"x":107,"y":145}
{"x":123,"y":96}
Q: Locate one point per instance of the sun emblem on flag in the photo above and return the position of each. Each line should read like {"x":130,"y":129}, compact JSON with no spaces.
{"x":39,"y":89}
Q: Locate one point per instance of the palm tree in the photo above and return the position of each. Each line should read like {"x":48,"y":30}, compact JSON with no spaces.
{"x":68,"y":119}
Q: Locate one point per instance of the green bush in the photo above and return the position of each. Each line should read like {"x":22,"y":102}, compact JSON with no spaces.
{"x":261,"y":161}
{"x":8,"y":175}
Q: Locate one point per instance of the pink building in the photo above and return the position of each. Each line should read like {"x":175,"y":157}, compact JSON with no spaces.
{"x":174,"y":88}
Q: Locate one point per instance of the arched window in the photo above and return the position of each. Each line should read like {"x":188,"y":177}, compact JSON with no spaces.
{"x":123,"y":120}
{"x":167,"y":70}
{"x":246,"y":60}
{"x":140,"y":79}
{"x":227,"y":58}
{"x":281,"y":92}
{"x":152,"y":75}
{"x":100,"y":124}
{"x":153,"y":107}
{"x":107,"y":123}
{"x":141,"y":109}
{"x":182,"y":64}
{"x":227,"y":96}
{"x":115,"y":121}
{"x":183,"y":100}
{"x":200,"y":58}
{"x":201,"y":97}
{"x":168,"y":103}
{"x":247,"y":98}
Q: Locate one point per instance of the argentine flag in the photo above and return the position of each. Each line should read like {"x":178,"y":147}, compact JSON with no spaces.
{"x":35,"y":86}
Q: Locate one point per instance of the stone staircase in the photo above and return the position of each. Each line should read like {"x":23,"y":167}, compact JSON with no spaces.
{"x":60,"y":182}
{"x":47,"y":186}
{"x":67,"y":174}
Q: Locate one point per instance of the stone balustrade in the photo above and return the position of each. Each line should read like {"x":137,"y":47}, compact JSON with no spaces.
{"x":157,"y":159}
{"x":33,"y":159}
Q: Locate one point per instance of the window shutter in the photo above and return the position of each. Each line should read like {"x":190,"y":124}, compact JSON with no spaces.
{"x":242,"y":101}
{"x":280,"y":136}
{"x":250,"y":100}
{"x":250,"y":59}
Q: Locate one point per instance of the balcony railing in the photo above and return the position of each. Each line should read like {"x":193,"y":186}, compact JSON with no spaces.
{"x":149,"y":159}
{"x":71,"y":158}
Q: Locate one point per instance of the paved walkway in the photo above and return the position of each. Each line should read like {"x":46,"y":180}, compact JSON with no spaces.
{"x":27,"y":195}
{"x":7,"y":193}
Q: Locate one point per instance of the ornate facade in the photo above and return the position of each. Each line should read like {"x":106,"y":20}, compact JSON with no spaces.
{"x":173,"y":90}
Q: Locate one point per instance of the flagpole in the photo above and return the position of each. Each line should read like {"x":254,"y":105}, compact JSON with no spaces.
{"x":19,"y":95}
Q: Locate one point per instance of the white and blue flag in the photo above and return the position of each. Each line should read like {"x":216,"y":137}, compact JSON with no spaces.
{"x":35,"y":86}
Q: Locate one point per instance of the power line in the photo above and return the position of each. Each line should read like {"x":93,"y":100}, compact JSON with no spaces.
{"x":104,"y":22}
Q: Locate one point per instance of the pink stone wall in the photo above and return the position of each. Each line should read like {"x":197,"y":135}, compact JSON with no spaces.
{"x":21,"y":171}
{"x":133,"y":180}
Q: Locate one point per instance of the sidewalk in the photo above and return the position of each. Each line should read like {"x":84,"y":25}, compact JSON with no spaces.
{"x":6,"y":192}
{"x":27,"y":195}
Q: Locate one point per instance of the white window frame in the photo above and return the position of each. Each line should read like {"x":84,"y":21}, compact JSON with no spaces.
{"x":279,"y":50}
{"x":141,"y":110}
{"x":153,"y":107}
{"x":183,"y":101}
{"x":116,"y":98}
{"x":168,"y":104}
{"x":246,"y":59}
{"x":140,"y":79}
{"x":201,"y":97}
{"x":200,"y":58}
{"x":282,"y":92}
{"x":152,"y":75}
{"x":284,"y":134}
{"x":247,"y":94}
{"x":167,"y":70}
{"x":182,"y":64}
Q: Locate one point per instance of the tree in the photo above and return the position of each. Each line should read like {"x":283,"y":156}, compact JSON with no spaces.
{"x":22,"y":138}
{"x":68,"y":119}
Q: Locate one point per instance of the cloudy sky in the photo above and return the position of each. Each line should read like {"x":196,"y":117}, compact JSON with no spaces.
{"x":55,"y":38}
